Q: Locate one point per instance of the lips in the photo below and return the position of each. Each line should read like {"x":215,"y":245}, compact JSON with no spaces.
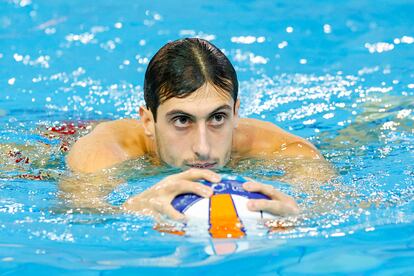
{"x":202,"y":165}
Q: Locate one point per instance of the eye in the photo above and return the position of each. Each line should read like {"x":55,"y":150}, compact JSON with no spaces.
{"x":181,"y":121}
{"x":218,"y":119}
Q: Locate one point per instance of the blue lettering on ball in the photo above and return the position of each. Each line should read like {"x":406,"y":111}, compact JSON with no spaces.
{"x":218,"y":187}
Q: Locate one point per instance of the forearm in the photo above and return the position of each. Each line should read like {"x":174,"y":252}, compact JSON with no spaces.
{"x":306,"y":176}
{"x":324,"y":192}
{"x":307,"y":172}
{"x":88,"y":192}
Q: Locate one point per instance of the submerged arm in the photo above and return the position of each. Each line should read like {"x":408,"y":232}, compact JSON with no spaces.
{"x":304,"y":164}
{"x":89,"y":191}
{"x":304,"y":168}
{"x":299,"y":159}
{"x":311,"y":174}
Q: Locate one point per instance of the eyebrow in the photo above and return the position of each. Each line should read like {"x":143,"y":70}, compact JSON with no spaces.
{"x":175,"y":112}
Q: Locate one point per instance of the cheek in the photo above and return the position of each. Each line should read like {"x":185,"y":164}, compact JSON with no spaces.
{"x":171,"y":143}
{"x":223,"y":139}
{"x":222,"y":146}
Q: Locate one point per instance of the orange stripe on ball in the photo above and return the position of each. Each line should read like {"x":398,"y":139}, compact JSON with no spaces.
{"x":224,"y":222}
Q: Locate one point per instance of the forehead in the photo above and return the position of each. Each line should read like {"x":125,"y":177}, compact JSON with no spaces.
{"x":202,"y":101}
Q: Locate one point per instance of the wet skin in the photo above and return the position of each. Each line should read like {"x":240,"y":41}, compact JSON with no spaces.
{"x":198,"y":133}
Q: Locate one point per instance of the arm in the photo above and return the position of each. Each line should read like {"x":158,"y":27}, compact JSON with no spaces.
{"x":300,"y":160}
{"x":307,"y":170}
{"x":110,"y":143}
{"x":304,"y":164}
{"x":89,"y":192}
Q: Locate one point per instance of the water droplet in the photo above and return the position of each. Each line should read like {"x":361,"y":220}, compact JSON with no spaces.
{"x":282,"y":44}
{"x":327,"y":29}
{"x":289,"y":29}
{"x":11,"y":81}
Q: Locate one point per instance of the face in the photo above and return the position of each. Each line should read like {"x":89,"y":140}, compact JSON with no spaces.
{"x":196,"y":131}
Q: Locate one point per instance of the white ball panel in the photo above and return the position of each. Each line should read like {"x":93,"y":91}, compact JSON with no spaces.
{"x":199,"y":210}
{"x":240,"y":203}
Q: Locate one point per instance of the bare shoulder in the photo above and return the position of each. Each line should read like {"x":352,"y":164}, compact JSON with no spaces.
{"x":257,"y":137}
{"x":120,"y":125}
{"x":107,"y":144}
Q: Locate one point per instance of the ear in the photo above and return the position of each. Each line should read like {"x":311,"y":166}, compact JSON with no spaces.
{"x":148,"y":121}
{"x":236,"y":113}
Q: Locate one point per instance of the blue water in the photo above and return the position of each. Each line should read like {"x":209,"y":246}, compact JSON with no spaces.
{"x":337,"y":73}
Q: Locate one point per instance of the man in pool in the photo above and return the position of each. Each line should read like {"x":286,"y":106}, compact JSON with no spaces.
{"x":191,"y":121}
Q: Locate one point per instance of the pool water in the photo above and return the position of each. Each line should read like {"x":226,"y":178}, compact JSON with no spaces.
{"x":339,"y":74}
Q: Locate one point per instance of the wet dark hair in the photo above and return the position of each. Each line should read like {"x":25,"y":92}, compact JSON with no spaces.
{"x":182,"y":66}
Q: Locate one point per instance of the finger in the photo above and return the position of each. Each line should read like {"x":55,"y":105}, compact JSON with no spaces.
{"x":268,"y":190}
{"x":168,"y":210}
{"x":186,"y":186}
{"x":195,"y":174}
{"x":275,"y":207}
{"x":131,"y":207}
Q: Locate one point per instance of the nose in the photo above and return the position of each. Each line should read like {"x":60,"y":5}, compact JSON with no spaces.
{"x":201,"y":145}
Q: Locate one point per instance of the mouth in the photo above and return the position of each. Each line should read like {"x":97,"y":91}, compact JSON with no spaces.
{"x":202,"y":165}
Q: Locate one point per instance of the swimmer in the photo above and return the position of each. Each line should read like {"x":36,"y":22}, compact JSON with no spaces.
{"x":191,"y":121}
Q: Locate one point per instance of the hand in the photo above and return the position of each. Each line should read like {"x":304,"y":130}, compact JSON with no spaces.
{"x":279,"y":203}
{"x":156,"y":201}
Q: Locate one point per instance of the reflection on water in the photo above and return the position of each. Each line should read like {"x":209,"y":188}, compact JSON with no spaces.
{"x":342,"y":80}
